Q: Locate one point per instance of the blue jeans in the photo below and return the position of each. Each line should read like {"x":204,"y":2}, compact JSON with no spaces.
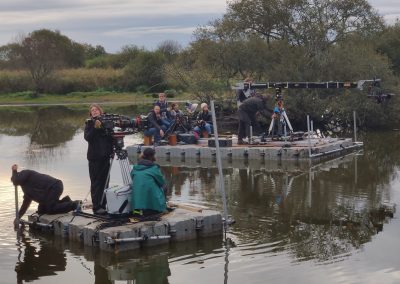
{"x":207,"y":127}
{"x":155,"y":132}
{"x":165,"y":122}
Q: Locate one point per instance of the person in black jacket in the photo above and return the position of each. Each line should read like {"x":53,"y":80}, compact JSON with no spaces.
{"x":204,"y":120}
{"x":99,"y":153}
{"x":43,"y":189}
{"x":156,"y":127}
{"x":247,"y":114}
{"x":247,"y":92}
{"x":164,"y":109}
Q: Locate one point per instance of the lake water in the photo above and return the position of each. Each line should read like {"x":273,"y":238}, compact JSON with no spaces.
{"x":294,"y":223}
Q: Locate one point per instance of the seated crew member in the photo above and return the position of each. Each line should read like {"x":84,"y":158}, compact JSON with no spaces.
{"x":179,"y":122}
{"x":148,"y":185}
{"x":175,"y":111}
{"x":156,"y":127}
{"x":164,"y":111}
{"x":204,"y":120}
{"x":247,"y":114}
{"x":43,"y":189}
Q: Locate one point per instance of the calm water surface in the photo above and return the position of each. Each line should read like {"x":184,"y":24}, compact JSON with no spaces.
{"x":294,"y":224}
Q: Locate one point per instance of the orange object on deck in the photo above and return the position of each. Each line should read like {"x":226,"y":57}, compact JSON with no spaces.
{"x":148,"y":140}
{"x":172,"y":140}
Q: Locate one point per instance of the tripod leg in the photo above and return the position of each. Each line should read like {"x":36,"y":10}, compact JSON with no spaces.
{"x":287,"y":120}
{"x":107,"y":180}
{"x":271,"y":126}
{"x":125,"y":171}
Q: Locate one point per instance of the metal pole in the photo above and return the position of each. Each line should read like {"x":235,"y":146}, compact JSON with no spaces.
{"x":309,"y":138}
{"x":355,"y":126}
{"x":219,"y":165}
{"x":309,"y":201}
{"x":312,"y":127}
{"x":16,"y":204}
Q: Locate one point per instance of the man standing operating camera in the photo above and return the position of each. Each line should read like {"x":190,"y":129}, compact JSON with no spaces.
{"x":100,"y":149}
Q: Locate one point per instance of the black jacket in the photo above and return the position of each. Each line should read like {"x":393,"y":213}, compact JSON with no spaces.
{"x":248,"y":109}
{"x":205,"y":116}
{"x":35,"y":185}
{"x":255,"y":104}
{"x":163,"y":109}
{"x":100,"y":145}
{"x":154,"y":121}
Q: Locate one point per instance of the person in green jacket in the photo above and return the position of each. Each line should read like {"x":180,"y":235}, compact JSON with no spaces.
{"x":148,"y":183}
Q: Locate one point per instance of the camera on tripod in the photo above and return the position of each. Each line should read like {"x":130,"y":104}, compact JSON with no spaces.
{"x":116,"y":123}
{"x":117,"y":126}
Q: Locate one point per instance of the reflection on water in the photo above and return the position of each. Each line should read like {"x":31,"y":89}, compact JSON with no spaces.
{"x":317,"y":214}
{"x":38,"y":257}
{"x":288,"y":214}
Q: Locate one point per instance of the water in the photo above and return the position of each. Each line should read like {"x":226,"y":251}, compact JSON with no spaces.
{"x":293,"y":224}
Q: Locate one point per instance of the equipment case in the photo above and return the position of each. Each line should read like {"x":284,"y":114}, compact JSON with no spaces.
{"x":119,"y":199}
{"x":187,"y":138}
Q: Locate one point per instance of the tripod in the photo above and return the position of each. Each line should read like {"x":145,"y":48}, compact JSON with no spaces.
{"x":179,"y":122}
{"x":282,"y":120}
{"x":280,"y":117}
{"x":122,"y":157}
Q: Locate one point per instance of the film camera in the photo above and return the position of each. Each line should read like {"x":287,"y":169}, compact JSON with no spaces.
{"x":117,"y":126}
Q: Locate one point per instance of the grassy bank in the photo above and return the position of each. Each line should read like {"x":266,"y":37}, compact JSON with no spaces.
{"x":83,"y":97}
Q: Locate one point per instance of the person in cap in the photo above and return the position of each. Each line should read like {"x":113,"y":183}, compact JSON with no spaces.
{"x":43,"y":189}
{"x":148,"y":185}
{"x":247,"y":92}
{"x":247,"y":115}
{"x":204,"y":120}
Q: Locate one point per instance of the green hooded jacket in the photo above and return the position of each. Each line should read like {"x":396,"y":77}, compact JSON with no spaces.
{"x":147,"y":181}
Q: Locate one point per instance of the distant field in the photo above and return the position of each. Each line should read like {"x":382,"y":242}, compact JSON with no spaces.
{"x":82,"y":97}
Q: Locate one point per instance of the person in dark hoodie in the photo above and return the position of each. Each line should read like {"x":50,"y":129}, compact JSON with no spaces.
{"x":247,"y":114}
{"x":148,"y":185}
{"x":100,"y":149}
{"x":164,"y":109}
{"x":43,"y":189}
{"x":156,"y":126}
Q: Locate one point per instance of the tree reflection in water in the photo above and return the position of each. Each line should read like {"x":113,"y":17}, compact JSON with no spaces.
{"x":49,"y":127}
{"x":38,"y":258}
{"x":323,"y":212}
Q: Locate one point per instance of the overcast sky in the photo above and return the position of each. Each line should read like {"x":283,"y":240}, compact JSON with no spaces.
{"x":115,"y":23}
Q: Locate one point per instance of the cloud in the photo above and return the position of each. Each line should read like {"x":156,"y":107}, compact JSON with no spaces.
{"x":109,"y":19}
{"x":389,"y":9}
{"x":114,"y":23}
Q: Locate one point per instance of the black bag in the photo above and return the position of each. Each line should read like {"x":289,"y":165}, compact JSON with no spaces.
{"x":222,"y":142}
{"x":188,"y":138}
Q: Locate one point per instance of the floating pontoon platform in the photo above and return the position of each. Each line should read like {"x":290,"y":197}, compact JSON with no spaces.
{"x":186,"y":222}
{"x":273,"y":150}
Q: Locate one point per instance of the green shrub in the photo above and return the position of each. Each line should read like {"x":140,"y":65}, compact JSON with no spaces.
{"x":15,"y":81}
{"x":170,"y":93}
{"x":84,"y":80}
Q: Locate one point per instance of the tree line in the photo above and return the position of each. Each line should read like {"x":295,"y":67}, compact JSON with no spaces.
{"x":267,"y":40}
